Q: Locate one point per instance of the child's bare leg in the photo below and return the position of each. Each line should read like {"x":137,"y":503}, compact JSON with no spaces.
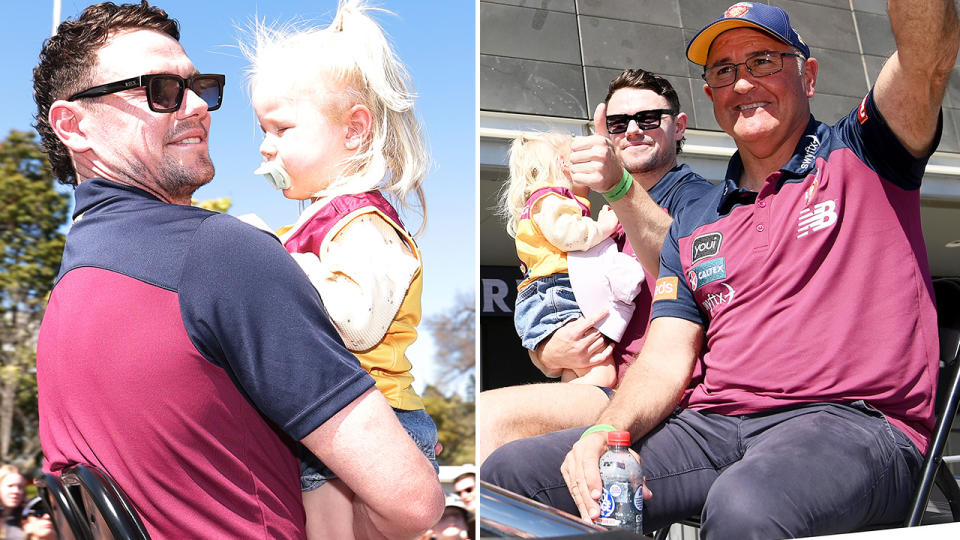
{"x":329,"y":511}
{"x":603,"y":374}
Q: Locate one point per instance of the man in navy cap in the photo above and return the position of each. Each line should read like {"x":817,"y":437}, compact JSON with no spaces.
{"x":816,"y":402}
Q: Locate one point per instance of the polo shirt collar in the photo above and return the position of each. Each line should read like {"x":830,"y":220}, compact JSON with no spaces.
{"x":799,"y":166}
{"x":99,"y":192}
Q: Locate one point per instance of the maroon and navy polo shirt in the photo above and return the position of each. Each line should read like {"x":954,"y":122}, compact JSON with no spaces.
{"x":817,"y":288}
{"x":677,"y":189}
{"x":183,"y":352}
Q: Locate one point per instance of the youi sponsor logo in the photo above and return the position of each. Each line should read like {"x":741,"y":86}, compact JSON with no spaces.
{"x":706,"y":245}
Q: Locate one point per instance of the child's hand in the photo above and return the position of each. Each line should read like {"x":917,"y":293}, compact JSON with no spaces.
{"x":607,"y":221}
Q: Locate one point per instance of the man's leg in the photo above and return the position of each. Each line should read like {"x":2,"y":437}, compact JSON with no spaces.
{"x":680,"y":459}
{"x":518,"y":412}
{"x":815,"y":470}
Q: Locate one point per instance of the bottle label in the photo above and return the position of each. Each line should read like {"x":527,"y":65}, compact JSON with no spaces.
{"x":606,"y":504}
{"x":638,"y":499}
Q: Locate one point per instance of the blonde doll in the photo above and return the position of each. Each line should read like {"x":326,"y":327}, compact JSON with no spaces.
{"x":340,"y":132}
{"x":549,"y":216}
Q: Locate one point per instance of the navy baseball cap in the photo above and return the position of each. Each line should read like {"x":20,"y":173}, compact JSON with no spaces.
{"x":769,"y":19}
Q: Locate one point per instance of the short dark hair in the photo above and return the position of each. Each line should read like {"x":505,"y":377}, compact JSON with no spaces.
{"x":639,"y":78}
{"x":461,"y":476}
{"x":68,"y":58}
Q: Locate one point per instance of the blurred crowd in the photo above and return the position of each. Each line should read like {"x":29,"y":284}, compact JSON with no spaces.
{"x":22,"y":519}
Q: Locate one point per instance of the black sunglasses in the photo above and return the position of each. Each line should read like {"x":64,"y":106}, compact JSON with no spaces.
{"x":618,"y":123}
{"x":36,"y":508}
{"x":165,"y":90}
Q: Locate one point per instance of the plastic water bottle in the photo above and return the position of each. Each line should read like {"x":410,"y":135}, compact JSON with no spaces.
{"x":621,"y":504}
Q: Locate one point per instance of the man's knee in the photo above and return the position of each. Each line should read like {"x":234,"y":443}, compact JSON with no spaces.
{"x":739,"y":514}
{"x":506,"y":468}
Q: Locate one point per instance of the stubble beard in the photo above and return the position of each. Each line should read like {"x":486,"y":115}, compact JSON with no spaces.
{"x":174,"y":180}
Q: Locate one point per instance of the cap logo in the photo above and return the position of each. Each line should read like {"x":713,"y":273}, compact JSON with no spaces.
{"x":737,"y":10}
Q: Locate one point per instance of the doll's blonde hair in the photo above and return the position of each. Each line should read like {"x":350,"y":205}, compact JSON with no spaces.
{"x":353,"y":53}
{"x":536,"y":160}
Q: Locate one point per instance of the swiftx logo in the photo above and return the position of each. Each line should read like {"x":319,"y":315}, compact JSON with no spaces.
{"x":810,"y":151}
{"x":714,"y":300}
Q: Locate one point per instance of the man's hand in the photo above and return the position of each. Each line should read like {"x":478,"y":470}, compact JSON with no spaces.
{"x":581,"y":472}
{"x":575,"y":345}
{"x":594,"y":162}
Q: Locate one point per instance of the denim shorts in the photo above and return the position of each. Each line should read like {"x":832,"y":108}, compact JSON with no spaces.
{"x":418,"y":424}
{"x":544,"y":305}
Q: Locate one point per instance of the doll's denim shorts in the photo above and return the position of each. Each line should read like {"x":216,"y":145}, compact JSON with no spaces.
{"x":542,"y":306}
{"x":418,"y":424}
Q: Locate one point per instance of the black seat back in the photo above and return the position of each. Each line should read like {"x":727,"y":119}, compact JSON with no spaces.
{"x":108,"y":511}
{"x":947,"y":291}
{"x":66,"y":514}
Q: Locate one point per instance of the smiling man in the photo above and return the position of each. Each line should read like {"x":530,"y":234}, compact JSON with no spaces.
{"x":183,"y":351}
{"x":640,"y":131}
{"x":816,"y":400}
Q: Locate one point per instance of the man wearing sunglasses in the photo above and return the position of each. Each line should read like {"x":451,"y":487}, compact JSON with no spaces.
{"x":183,"y":351}
{"x":816,"y":402}
{"x":640,"y":131}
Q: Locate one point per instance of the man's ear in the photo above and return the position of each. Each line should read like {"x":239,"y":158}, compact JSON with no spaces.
{"x":65,"y":120}
{"x":810,"y":69}
{"x":681,"y":123}
{"x":359,"y":122}
{"x":708,"y":91}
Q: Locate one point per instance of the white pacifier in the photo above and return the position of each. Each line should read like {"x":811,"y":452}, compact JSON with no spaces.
{"x":275,"y":174}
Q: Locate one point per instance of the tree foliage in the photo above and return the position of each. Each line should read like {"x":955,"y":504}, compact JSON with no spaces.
{"x":456,"y":425}
{"x":455,"y":340}
{"x":32,"y":213}
{"x":453,"y":336}
{"x":221,"y":205}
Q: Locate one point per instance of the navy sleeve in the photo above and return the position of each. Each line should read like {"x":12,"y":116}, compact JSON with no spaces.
{"x":672,"y":296}
{"x":866,"y":132}
{"x":250,"y":309}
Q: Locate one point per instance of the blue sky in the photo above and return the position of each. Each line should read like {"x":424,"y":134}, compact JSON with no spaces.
{"x":436,"y":41}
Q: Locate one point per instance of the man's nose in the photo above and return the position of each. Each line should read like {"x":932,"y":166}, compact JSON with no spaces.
{"x":193,"y":103}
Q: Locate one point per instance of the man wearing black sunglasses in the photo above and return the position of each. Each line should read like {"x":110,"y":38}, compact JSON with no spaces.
{"x":639,"y":133}
{"x":817,"y":394}
{"x":183,"y":351}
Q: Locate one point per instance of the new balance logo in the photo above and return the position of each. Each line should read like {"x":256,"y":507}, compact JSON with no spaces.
{"x":822,"y":216}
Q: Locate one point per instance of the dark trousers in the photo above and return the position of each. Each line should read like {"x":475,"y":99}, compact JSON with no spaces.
{"x":807,"y":470}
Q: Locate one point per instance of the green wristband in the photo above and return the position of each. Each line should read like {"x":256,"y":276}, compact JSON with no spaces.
{"x":598,"y":427}
{"x":622,"y":188}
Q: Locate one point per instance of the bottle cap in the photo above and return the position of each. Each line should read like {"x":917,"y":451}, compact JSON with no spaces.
{"x":618,"y":438}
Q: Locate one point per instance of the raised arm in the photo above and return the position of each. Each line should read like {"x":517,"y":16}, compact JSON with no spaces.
{"x":650,"y":390}
{"x":594,"y":164}
{"x":910,"y":87}
{"x":397,"y":493}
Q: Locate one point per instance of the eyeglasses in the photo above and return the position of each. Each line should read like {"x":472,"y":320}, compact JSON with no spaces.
{"x":468,"y":489}
{"x":762,"y":65}
{"x":618,"y":123}
{"x":165,"y":90}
